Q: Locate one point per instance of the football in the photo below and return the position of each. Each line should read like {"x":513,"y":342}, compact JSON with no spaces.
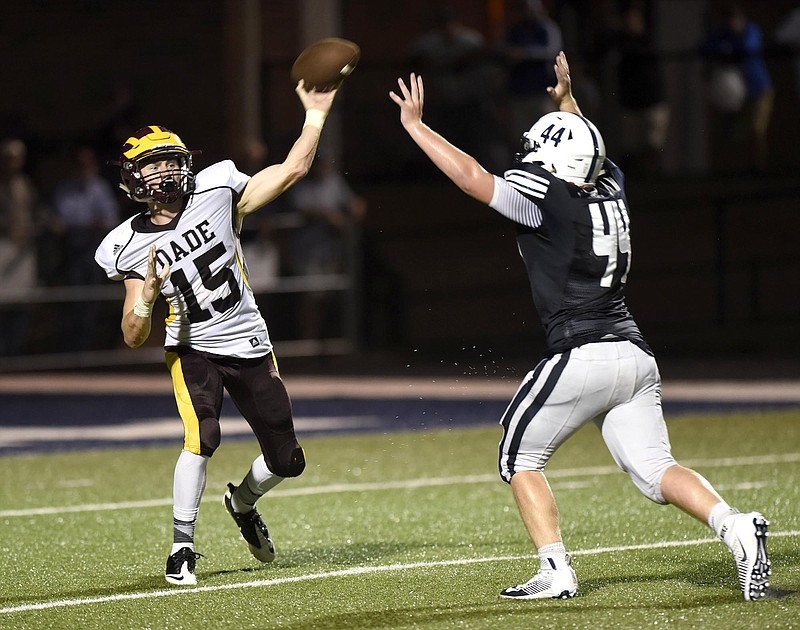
{"x":325,"y":64}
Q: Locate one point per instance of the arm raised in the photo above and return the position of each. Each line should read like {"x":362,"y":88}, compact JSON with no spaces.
{"x":561,"y":93}
{"x":463,"y":169}
{"x":272,"y":181}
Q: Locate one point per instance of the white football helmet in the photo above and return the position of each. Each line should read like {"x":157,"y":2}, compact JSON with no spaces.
{"x":567,"y":145}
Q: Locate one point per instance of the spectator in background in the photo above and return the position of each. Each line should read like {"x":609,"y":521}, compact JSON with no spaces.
{"x":85,"y":209}
{"x":645,"y":112}
{"x":20,"y":212}
{"x":122,"y":119}
{"x":258,"y":238}
{"x":330,"y":213}
{"x":734,"y":47}
{"x":529,"y":47}
{"x":787,"y":35}
{"x":466,"y":80}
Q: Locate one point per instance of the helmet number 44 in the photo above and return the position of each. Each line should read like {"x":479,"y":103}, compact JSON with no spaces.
{"x":549,"y":136}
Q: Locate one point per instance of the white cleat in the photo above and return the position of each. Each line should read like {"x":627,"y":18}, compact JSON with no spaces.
{"x":746,"y":537}
{"x":551,"y":583}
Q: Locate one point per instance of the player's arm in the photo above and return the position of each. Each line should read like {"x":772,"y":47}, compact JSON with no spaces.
{"x":463,"y":169}
{"x":561,"y":93}
{"x":270,"y":182}
{"x":140,"y":295}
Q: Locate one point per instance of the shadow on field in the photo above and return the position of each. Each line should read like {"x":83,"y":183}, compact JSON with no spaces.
{"x":719,"y":574}
{"x":467,"y":616}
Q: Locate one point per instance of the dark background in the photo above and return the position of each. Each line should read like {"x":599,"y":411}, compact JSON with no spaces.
{"x":715,"y":272}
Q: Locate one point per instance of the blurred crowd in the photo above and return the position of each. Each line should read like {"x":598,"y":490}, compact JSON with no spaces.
{"x":488,"y":90}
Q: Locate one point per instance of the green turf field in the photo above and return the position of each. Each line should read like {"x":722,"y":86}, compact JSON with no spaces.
{"x":397,"y":530}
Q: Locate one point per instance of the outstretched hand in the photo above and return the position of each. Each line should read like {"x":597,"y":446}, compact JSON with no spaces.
{"x":313,"y":99}
{"x":563,"y":87}
{"x":561,"y":93}
{"x":153,"y":281}
{"x":411,"y":102}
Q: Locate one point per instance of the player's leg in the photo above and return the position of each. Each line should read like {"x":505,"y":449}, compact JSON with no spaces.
{"x":189,"y":482}
{"x":690,"y":491}
{"x":744,"y":534}
{"x":555,"y":577}
{"x":260,"y":395}
{"x":537,"y":507}
{"x":636,"y":435}
{"x":558,"y":397}
{"x":198,"y":392}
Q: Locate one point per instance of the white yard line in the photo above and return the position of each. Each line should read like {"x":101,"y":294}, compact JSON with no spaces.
{"x":363,"y":570}
{"x":405,"y":484}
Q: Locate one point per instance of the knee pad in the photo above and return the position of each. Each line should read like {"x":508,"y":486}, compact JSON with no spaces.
{"x":291,"y":466}
{"x":210,"y":436}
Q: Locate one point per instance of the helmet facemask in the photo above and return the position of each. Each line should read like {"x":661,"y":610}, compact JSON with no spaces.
{"x":156,"y":144}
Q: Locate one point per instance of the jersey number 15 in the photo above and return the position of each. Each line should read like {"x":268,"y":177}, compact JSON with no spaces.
{"x":211,"y":281}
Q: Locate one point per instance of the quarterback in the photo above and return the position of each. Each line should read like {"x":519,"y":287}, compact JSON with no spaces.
{"x":185,"y":247}
{"x":568,"y":206}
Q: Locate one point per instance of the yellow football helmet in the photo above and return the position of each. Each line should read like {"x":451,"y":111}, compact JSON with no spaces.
{"x":149,"y":143}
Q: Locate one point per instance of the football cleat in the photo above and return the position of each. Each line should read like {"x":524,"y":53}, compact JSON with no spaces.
{"x":253,"y":530}
{"x":180,"y":567}
{"x":550,"y":583}
{"x":746,"y":537}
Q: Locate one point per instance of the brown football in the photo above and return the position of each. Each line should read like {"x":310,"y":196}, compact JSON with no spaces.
{"x":323,"y":65}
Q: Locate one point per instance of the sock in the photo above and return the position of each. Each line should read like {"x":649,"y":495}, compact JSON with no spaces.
{"x":182,"y":535}
{"x":552,"y":556}
{"x":718,"y":514}
{"x":188,"y":485}
{"x":257,"y":482}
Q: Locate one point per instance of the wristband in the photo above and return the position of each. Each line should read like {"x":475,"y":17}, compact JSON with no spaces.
{"x":142,"y":309}
{"x":315,"y":118}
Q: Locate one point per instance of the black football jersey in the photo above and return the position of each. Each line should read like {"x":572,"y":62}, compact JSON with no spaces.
{"x":577,"y":249}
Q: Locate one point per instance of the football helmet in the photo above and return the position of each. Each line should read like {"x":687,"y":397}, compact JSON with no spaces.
{"x":145,"y":145}
{"x":567,"y":145}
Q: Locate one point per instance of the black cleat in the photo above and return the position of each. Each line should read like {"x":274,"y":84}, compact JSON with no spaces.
{"x":252,"y":528}
{"x":180,"y":567}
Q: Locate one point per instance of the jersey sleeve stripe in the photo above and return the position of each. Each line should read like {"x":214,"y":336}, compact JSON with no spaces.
{"x":527,"y":183}
{"x":515,"y":206}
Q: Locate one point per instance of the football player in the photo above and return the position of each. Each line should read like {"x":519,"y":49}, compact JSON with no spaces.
{"x":185,"y":246}
{"x":567,"y":202}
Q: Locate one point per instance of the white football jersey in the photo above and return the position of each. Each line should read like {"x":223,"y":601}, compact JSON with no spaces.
{"x":211,"y":306}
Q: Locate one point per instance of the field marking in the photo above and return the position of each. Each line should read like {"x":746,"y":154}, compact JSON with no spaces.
{"x":468,"y":386}
{"x":162,"y":429}
{"x":61,"y":603}
{"x":407,"y":484}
